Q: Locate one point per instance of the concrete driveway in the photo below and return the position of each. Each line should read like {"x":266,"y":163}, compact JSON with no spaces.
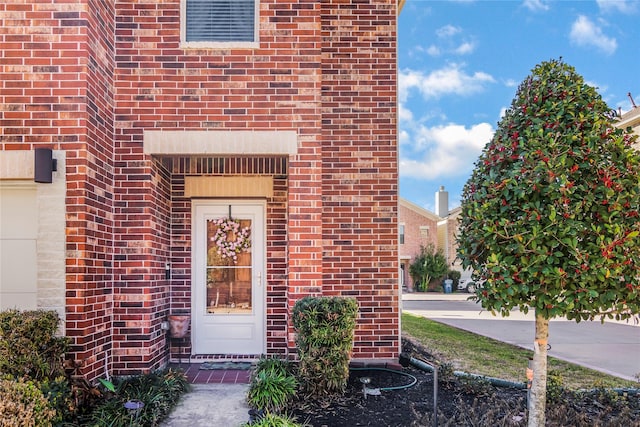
{"x":612,"y":347}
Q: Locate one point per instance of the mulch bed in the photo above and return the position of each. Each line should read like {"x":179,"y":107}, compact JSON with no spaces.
{"x":460,"y":403}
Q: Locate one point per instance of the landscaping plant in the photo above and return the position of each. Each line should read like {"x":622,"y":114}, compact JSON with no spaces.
{"x":325,"y":329}
{"x":29,"y":347}
{"x":550,"y":215}
{"x":275,"y":420}
{"x":272,"y":385}
{"x":159,"y":391}
{"x":429,"y":264}
{"x":22,"y":404}
{"x":31,"y":350}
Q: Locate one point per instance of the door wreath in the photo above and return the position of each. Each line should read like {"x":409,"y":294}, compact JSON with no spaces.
{"x":230,"y":239}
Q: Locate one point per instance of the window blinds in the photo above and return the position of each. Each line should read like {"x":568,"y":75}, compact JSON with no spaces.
{"x":220,"y":20}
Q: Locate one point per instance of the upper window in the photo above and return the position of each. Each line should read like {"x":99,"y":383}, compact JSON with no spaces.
{"x":401,"y":233}
{"x":219,"y":23}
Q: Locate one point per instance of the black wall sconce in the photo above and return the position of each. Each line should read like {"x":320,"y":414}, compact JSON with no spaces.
{"x":44,"y":165}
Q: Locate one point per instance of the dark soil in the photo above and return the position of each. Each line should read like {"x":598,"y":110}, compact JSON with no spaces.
{"x":460,"y":402}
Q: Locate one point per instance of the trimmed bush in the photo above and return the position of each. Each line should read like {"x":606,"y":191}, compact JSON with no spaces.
{"x":325,"y":328}
{"x":22,"y":404}
{"x":29,"y":347}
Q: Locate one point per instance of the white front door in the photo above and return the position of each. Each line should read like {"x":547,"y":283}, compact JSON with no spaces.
{"x":227,"y":283}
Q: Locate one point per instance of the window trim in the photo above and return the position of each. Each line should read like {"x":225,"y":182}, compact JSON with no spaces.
{"x":184,"y":44}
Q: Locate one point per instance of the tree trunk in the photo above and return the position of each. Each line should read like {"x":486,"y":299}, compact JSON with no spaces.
{"x":538,"y":392}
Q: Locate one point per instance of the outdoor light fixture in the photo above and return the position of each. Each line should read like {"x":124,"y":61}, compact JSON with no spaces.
{"x":44,"y":165}
{"x":365,"y":381}
{"x":134,"y":407}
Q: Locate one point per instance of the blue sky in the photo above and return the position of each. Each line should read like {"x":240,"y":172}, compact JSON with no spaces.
{"x":460,"y":63}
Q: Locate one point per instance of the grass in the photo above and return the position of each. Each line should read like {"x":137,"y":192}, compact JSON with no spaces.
{"x":476,"y":354}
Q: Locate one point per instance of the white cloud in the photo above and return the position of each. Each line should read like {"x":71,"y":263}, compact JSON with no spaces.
{"x":536,"y":5}
{"x":447,"y":31}
{"x":585,"y":33}
{"x":404,"y":114}
{"x":433,"y":50}
{"x":444,"y":151}
{"x":465,"y":48}
{"x":451,"y":79}
{"x":622,"y":6}
{"x":404,"y":137}
{"x":451,"y":40}
{"x":511,"y":83}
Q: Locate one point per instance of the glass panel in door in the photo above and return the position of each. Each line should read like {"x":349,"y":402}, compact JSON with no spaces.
{"x":229,"y":287}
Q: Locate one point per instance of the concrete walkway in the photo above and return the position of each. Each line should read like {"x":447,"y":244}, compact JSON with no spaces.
{"x":211,"y":405}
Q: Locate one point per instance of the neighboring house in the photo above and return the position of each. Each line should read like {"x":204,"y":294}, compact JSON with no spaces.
{"x":163,"y":122}
{"x":417,"y":228}
{"x":447,"y":234}
{"x":631,"y":119}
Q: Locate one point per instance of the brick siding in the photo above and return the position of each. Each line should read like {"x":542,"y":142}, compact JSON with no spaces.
{"x":90,"y":77}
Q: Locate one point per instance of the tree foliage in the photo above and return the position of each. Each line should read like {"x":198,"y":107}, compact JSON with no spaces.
{"x":550,"y":213}
{"x":429,"y":264}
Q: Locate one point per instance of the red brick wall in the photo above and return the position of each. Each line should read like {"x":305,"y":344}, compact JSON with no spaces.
{"x":359,"y":168}
{"x":93,"y":197}
{"x":56,"y":91}
{"x":90,"y":77}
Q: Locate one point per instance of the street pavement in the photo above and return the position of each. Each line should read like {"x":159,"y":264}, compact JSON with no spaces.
{"x":612,"y":347}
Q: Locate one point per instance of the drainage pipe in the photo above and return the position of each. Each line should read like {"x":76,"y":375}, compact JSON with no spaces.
{"x":414,"y":380}
{"x":428,"y":368}
{"x":618,"y":391}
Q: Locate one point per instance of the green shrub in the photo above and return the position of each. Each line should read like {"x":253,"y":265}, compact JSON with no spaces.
{"x":429,"y":265}
{"x":59,"y":393}
{"x":29,"y":347}
{"x":555,"y":386}
{"x":30,"y":350}
{"x":273,"y":420}
{"x":272,"y":385}
{"x":23,"y":404}
{"x":159,"y":391}
{"x":325,"y":328}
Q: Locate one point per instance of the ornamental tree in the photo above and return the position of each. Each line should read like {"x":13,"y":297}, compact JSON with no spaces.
{"x":550,"y":214}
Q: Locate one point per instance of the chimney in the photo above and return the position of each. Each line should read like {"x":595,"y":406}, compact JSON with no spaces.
{"x":442,"y":202}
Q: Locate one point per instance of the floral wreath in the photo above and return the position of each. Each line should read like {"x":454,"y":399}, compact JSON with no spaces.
{"x":228,"y":247}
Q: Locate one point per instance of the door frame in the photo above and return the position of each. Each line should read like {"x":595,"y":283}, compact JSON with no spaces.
{"x":257,"y":271}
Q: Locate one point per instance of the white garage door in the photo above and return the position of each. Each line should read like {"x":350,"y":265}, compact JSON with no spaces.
{"x":18,"y":247}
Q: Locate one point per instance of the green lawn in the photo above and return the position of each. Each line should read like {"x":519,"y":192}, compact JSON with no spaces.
{"x":476,"y":354}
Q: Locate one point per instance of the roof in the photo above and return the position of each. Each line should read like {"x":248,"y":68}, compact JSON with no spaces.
{"x":630,"y":118}
{"x":417,"y":209}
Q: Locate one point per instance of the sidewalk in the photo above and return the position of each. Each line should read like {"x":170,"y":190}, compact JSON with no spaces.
{"x":588,"y":343}
{"x":215,"y":405}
